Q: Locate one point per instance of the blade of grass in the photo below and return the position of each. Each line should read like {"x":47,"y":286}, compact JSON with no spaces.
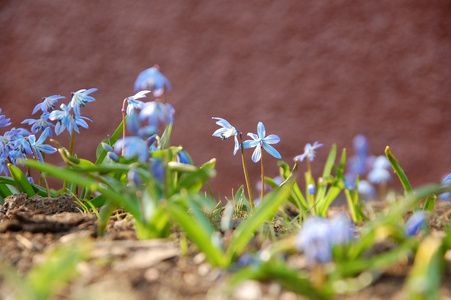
{"x":398,"y":170}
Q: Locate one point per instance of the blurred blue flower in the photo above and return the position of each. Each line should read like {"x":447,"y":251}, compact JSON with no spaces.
{"x":366,"y":190}
{"x":47,"y":104}
{"x":4,"y":163}
{"x":80,"y":98}
{"x":226,"y":131}
{"x":311,"y":189}
{"x":157,"y":113}
{"x":342,"y":229}
{"x":259,"y":140}
{"x":40,"y":124}
{"x":133,"y":103}
{"x":133,"y":147}
{"x":38,"y":147}
{"x":318,"y":236}
{"x":152,"y":79}
{"x":134,"y":126}
{"x":445,"y":182}
{"x":309,"y":152}
{"x":3,"y":120}
{"x":315,"y":240}
{"x":157,"y":168}
{"x":183,"y":157}
{"x":379,"y":173}
{"x":416,"y":223}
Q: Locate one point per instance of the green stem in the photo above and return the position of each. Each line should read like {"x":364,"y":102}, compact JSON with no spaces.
{"x":246,"y":174}
{"x":71,"y":146}
{"x":123,"y":122}
{"x":263,"y":179}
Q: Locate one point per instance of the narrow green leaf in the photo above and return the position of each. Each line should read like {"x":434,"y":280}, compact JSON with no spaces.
{"x":198,"y":234}
{"x":398,"y":170}
{"x":21,"y":180}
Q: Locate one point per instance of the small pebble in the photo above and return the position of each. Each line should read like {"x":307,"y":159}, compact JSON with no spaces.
{"x":248,"y":290}
{"x":152,"y":275}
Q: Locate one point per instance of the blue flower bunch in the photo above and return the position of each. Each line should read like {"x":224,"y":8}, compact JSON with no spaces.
{"x":370,"y":170}
{"x":318,"y":236}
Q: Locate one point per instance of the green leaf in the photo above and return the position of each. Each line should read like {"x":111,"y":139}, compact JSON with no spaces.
{"x":243,"y":234}
{"x":430,"y":202}
{"x":198,"y":230}
{"x":194,"y":181}
{"x":74,"y":177}
{"x":425,"y":278}
{"x":21,"y":180}
{"x":398,"y":170}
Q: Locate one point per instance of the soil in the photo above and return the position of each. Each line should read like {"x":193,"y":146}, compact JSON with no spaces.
{"x":121,"y":267}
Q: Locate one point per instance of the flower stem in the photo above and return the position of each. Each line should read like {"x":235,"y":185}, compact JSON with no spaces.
{"x":123,"y":122}
{"x":71,"y":146}
{"x":263,"y":180}
{"x":246,"y":174}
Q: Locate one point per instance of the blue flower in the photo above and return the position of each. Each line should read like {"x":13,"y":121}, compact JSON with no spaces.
{"x":226,"y":131}
{"x":379,"y":174}
{"x":133,"y":103}
{"x":133,"y":147}
{"x":47,"y":104}
{"x":315,"y":240}
{"x":156,"y":112}
{"x":65,"y":120}
{"x":80,"y":98}
{"x":311,"y":189}
{"x":39,"y":124}
{"x":309,"y":152}
{"x":134,"y":126}
{"x":152,"y":79}
{"x":183,"y":157}
{"x":39,"y":147}
{"x":259,"y":140}
{"x":3,"y":120}
{"x":318,"y":236}
{"x":4,"y":163}
{"x":416,"y":223}
{"x":446,"y":182}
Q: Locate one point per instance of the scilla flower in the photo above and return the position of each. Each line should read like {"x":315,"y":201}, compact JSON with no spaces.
{"x":152,"y":79}
{"x":309,"y":152}
{"x":38,"y":147}
{"x":3,"y":120}
{"x":318,"y":236}
{"x":446,"y":182}
{"x":133,"y":103}
{"x":80,"y":98}
{"x":226,"y":131}
{"x":65,"y":120}
{"x":39,"y":124}
{"x":133,"y":146}
{"x":157,"y":113}
{"x":47,"y":104}
{"x":379,"y":174}
{"x":259,"y":140}
{"x":415,"y":224}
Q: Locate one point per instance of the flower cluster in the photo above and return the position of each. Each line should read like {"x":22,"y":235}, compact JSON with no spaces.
{"x":376,"y":169}
{"x":20,"y":143}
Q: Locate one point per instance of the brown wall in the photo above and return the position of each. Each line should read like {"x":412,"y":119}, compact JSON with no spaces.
{"x":310,"y":70}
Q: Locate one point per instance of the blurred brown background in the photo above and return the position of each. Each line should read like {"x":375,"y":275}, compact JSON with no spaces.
{"x":309,"y":70}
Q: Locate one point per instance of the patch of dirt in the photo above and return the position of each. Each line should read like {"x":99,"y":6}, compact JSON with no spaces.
{"x":122,"y":267}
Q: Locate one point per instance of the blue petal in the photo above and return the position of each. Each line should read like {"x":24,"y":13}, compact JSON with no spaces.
{"x":271,"y":150}
{"x":253,"y":136}
{"x":272,"y":139}
{"x":250,"y":144}
{"x":257,"y":154}
{"x":261,"y":130}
